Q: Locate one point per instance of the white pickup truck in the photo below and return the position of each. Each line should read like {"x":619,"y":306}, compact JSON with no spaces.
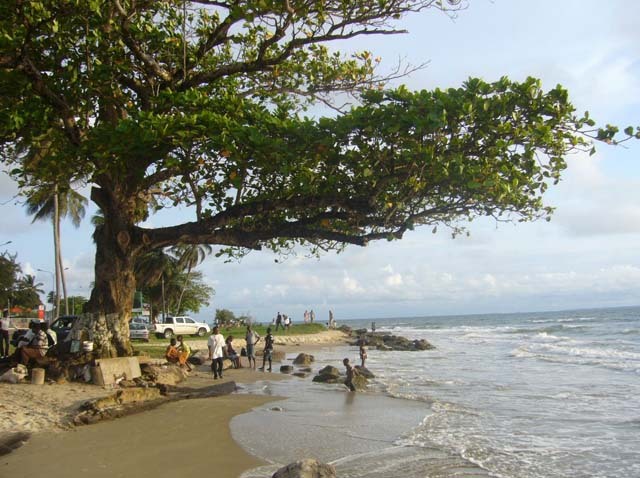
{"x":181,"y":325}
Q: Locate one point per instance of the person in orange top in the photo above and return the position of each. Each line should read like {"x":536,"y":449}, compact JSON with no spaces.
{"x":172,"y":355}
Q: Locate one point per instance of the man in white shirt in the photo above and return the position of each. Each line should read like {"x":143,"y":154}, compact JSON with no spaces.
{"x":216,"y":352}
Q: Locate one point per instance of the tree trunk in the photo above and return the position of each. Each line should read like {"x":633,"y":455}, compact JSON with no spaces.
{"x":184,"y":288}
{"x":115,"y":283}
{"x":62,"y":278}
{"x":56,"y":247}
{"x":112,"y":297}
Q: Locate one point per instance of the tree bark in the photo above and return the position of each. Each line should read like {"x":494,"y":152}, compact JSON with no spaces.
{"x":56,"y":247}
{"x":115,"y":283}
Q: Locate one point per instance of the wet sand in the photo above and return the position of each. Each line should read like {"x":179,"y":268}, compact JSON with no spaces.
{"x":186,"y":438}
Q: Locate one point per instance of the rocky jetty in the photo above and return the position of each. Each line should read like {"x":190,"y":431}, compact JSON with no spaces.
{"x":382,"y":341}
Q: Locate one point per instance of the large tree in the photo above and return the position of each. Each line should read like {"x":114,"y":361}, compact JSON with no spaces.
{"x":198,"y":103}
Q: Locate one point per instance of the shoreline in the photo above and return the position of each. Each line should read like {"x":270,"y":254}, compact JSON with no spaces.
{"x":45,"y":412}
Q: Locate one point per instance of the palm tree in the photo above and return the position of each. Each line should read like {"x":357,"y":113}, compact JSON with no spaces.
{"x":28,"y":282}
{"x":189,"y":256}
{"x":50,"y":202}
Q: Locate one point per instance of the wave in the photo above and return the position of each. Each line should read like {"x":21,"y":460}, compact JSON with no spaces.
{"x":570,"y":354}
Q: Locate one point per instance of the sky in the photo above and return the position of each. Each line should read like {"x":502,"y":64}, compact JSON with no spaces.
{"x":588,"y":256}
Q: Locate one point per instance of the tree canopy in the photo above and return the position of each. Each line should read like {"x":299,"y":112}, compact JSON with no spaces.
{"x":201,"y":103}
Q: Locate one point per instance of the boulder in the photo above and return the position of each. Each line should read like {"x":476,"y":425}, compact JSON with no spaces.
{"x":164,"y":374}
{"x":328,"y":374}
{"x":286,"y":368}
{"x":364,"y":371}
{"x":360,"y":382}
{"x":307,"y":468}
{"x":199,"y":357}
{"x":304,"y":359}
{"x":305,"y":369}
{"x":300,"y":374}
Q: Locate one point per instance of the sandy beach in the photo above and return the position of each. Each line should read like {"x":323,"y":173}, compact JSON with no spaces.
{"x":158,"y":442}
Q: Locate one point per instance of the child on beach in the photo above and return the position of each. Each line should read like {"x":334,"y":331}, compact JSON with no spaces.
{"x":351,"y":372}
{"x":268,"y":349}
{"x":363,"y":352}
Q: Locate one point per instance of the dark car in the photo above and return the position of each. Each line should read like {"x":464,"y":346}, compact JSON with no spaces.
{"x":61,"y":326}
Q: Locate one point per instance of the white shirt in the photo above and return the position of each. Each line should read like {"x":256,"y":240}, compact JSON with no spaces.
{"x":4,"y":323}
{"x":216,"y":345}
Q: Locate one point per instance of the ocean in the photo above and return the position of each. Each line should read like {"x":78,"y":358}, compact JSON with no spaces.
{"x":548,"y":394}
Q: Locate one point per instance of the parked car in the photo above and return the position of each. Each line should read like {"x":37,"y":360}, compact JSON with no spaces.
{"x":61,"y":326}
{"x":138,"y":331}
{"x":181,"y":325}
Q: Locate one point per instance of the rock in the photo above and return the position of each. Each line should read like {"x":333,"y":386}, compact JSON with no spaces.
{"x":328,"y":374}
{"x":364,"y":371}
{"x":360,"y":382}
{"x":307,"y":468}
{"x":277,"y":409}
{"x":360,"y":332}
{"x":329,"y":370}
{"x":300,"y":374}
{"x":12,"y":441}
{"x":305,"y":369}
{"x":199,"y":357}
{"x":286,"y":368}
{"x":391,"y":342}
{"x":346,"y":329}
{"x":304,"y":359}
{"x":227,"y":364}
{"x":164,"y":374}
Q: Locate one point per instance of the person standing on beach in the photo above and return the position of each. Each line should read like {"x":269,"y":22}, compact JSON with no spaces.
{"x":351,"y":372}
{"x":312,"y":316}
{"x":268,"y":349}
{"x":279,"y":321}
{"x":5,"y":323}
{"x":363,"y":351}
{"x":252,"y":339}
{"x":306,"y":316}
{"x":216,"y":352}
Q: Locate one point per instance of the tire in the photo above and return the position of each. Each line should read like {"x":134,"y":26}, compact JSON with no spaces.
{"x":201,"y":332}
{"x":168,"y":333}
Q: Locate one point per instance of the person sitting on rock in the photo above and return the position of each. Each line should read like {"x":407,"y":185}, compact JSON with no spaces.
{"x":172,"y":355}
{"x":36,"y":347}
{"x":232,"y":354}
{"x":184,"y":352}
{"x":351,"y":372}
